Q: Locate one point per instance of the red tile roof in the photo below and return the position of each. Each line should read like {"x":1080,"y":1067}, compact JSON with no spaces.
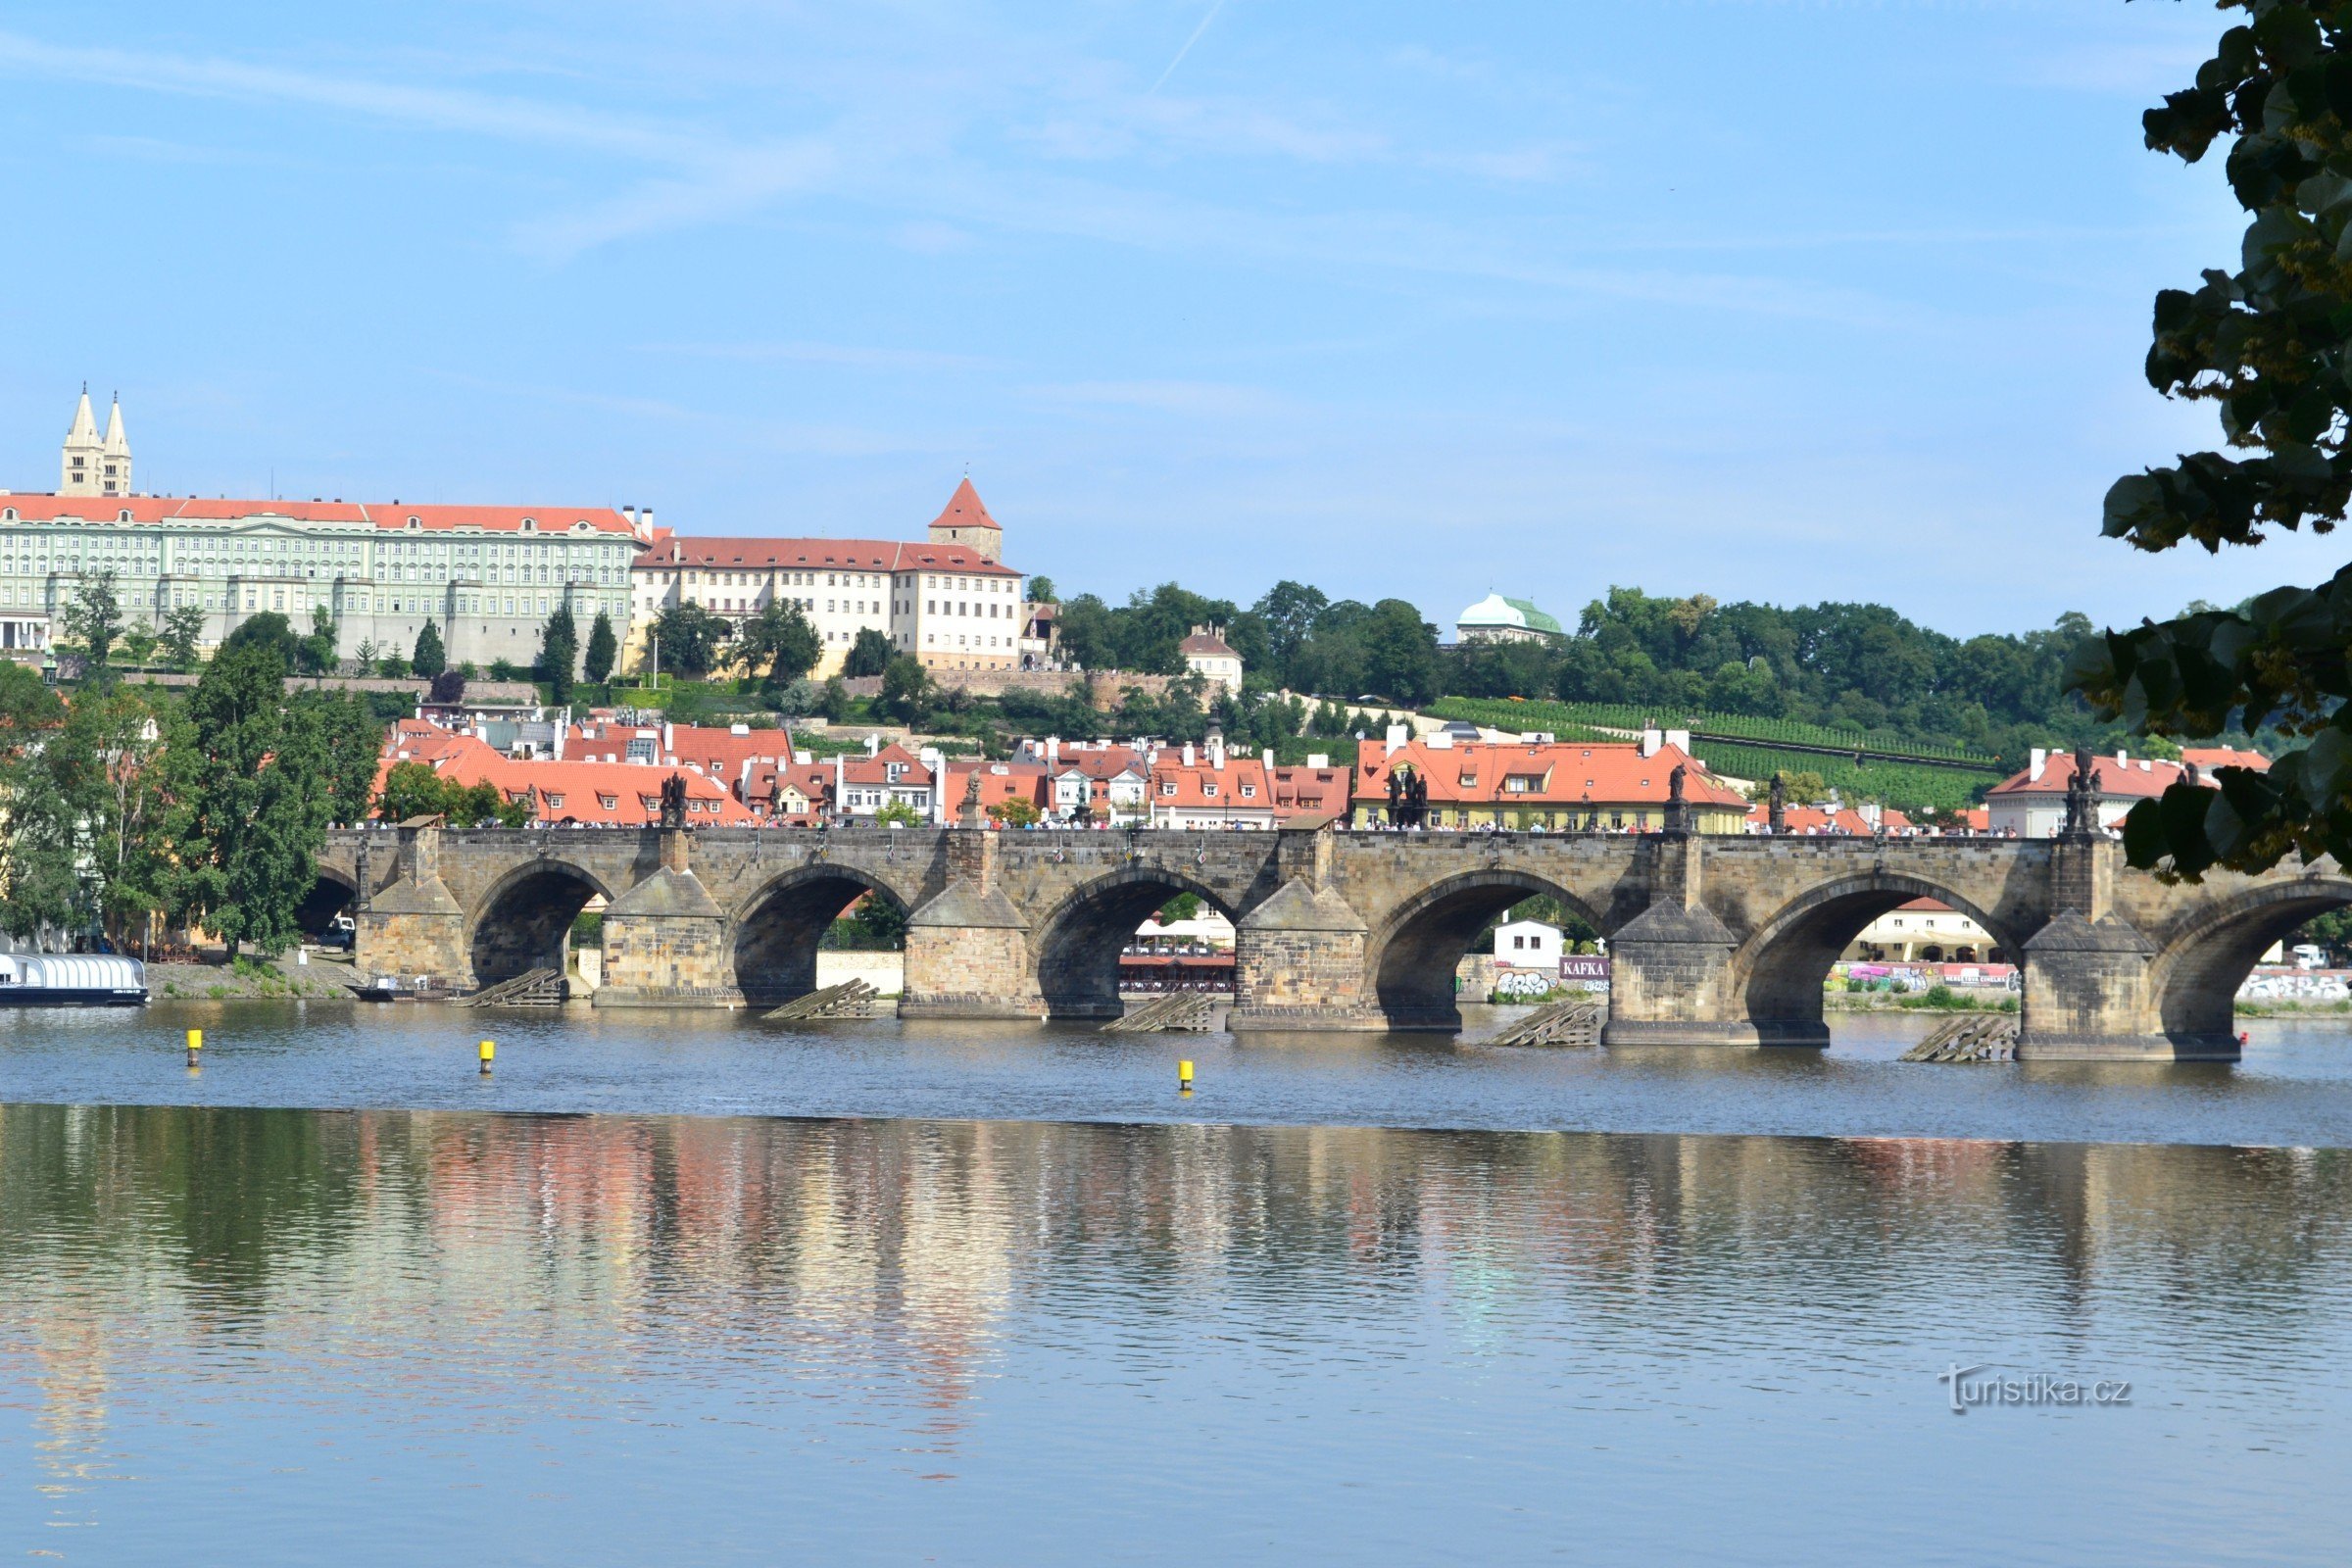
{"x":1802,"y":820}
{"x":392,"y":517}
{"x":964,"y":510}
{"x":573,"y":792}
{"x":1304,"y":791}
{"x":1018,"y":781}
{"x":817,"y":555}
{"x":2110,"y":778}
{"x":1198,"y":786}
{"x":1571,"y":773}
{"x":2209,"y":758}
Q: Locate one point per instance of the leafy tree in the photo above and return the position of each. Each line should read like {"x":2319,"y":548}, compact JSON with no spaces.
{"x":604,"y":650}
{"x":690,"y":638}
{"x":872,"y":924}
{"x":429,"y":659}
{"x":905,"y":689}
{"x":182,"y":633}
{"x":1182,"y":906}
{"x":504,"y":670}
{"x":270,"y":630}
{"x":391,"y":667}
{"x":448,"y":687}
{"x":1041,"y":591}
{"x":414,"y":789}
{"x":138,"y":642}
{"x":1015,"y":812}
{"x":94,"y":620}
{"x":898,"y":813}
{"x":39,"y":852}
{"x":869,"y":654}
{"x":251,"y":797}
{"x":833,"y":702}
{"x":316,"y":655}
{"x":559,"y":654}
{"x":778,"y":645}
{"x":2271,"y":343}
{"x":351,"y":737}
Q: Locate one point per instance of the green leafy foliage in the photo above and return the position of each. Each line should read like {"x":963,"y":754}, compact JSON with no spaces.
{"x":604,"y":650}
{"x":430,"y":657}
{"x":414,"y":789}
{"x":93,"y":621}
{"x":777,"y":646}
{"x":559,"y":654}
{"x":2271,"y":344}
{"x":690,"y":638}
{"x":869,"y":654}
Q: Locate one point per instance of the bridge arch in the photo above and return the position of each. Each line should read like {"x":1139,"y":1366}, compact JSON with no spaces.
{"x":1416,"y":952}
{"x":2193,"y":981}
{"x":524,"y":922}
{"x":1780,"y":970}
{"x":332,"y":893}
{"x":777,"y":931}
{"x":1077,"y":945}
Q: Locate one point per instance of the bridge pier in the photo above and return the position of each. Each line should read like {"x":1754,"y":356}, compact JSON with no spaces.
{"x":1669,"y":967}
{"x":416,"y":925}
{"x":969,"y":951}
{"x":1299,"y":963}
{"x":665,"y":940}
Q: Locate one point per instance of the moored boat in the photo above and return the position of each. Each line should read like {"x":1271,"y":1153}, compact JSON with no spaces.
{"x":71,"y":980}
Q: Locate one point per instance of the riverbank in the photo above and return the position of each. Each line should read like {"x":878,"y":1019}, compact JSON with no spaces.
{"x":249,"y":979}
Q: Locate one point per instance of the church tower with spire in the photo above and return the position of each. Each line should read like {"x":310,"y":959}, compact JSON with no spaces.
{"x":91,"y":464}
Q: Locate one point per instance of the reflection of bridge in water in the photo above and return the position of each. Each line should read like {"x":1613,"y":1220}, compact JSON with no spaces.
{"x":1714,"y":939}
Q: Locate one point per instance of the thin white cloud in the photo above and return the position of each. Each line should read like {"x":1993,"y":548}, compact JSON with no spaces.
{"x":1214,"y":399}
{"x":429,"y":108}
{"x":1215,"y":6}
{"x":854,"y":356}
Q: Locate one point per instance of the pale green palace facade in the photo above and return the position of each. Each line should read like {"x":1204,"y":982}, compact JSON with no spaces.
{"x":489,"y":576}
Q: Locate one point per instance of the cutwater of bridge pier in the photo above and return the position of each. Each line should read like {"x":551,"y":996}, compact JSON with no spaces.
{"x":1713,"y":940}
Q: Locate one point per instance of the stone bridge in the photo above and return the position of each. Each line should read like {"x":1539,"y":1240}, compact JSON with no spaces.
{"x":1713,"y":940}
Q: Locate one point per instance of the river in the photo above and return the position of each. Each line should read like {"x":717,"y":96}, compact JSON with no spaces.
{"x":683,"y":1287}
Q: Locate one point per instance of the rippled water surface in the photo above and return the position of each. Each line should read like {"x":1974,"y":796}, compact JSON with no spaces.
{"x":1149,"y":1331}
{"x":2293,"y":1088}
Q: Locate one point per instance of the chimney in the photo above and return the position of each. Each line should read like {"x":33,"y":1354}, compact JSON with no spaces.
{"x":1318,"y":759}
{"x":840,"y":762}
{"x":561,"y":730}
{"x":645,"y":522}
{"x":1053,"y":751}
{"x":1679,"y":739}
{"x":1216,"y":751}
{"x":669,"y":746}
{"x":1399,"y":737}
{"x":1188,"y":753}
{"x":2035,"y":760}
{"x":1652,"y":739}
{"x":873,"y":744}
{"x":2122,"y":758}
{"x":935,"y":764}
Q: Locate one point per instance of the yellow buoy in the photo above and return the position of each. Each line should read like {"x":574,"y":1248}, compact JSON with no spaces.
{"x":488,"y":1051}
{"x":1184,"y":1076}
{"x":195,"y":1044}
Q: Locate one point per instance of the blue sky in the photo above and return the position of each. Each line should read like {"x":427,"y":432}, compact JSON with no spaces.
{"x":1775,"y":301}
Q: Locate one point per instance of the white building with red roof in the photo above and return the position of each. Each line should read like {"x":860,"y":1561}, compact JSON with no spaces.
{"x":2032,"y":804}
{"x":950,"y":601}
{"x":1618,"y":786}
{"x":1203,"y":787}
{"x":487,"y":576}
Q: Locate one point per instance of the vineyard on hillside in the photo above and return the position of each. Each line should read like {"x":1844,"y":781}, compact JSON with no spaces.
{"x":1904,"y":785}
{"x":1510,"y":713}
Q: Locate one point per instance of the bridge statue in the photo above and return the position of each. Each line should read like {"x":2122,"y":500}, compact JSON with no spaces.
{"x":1776,"y":811}
{"x":1714,"y":939}
{"x":673,"y":800}
{"x":2081,"y":798}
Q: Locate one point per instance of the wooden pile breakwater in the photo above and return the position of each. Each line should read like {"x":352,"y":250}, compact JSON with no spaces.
{"x":1985,"y":1037}
{"x":1573,"y":1022}
{"x":1189,"y":1012}
{"x":852,"y":999}
{"x":538,"y":988}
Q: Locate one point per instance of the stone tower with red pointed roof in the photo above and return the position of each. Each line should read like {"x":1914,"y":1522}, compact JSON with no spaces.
{"x":967,"y":521}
